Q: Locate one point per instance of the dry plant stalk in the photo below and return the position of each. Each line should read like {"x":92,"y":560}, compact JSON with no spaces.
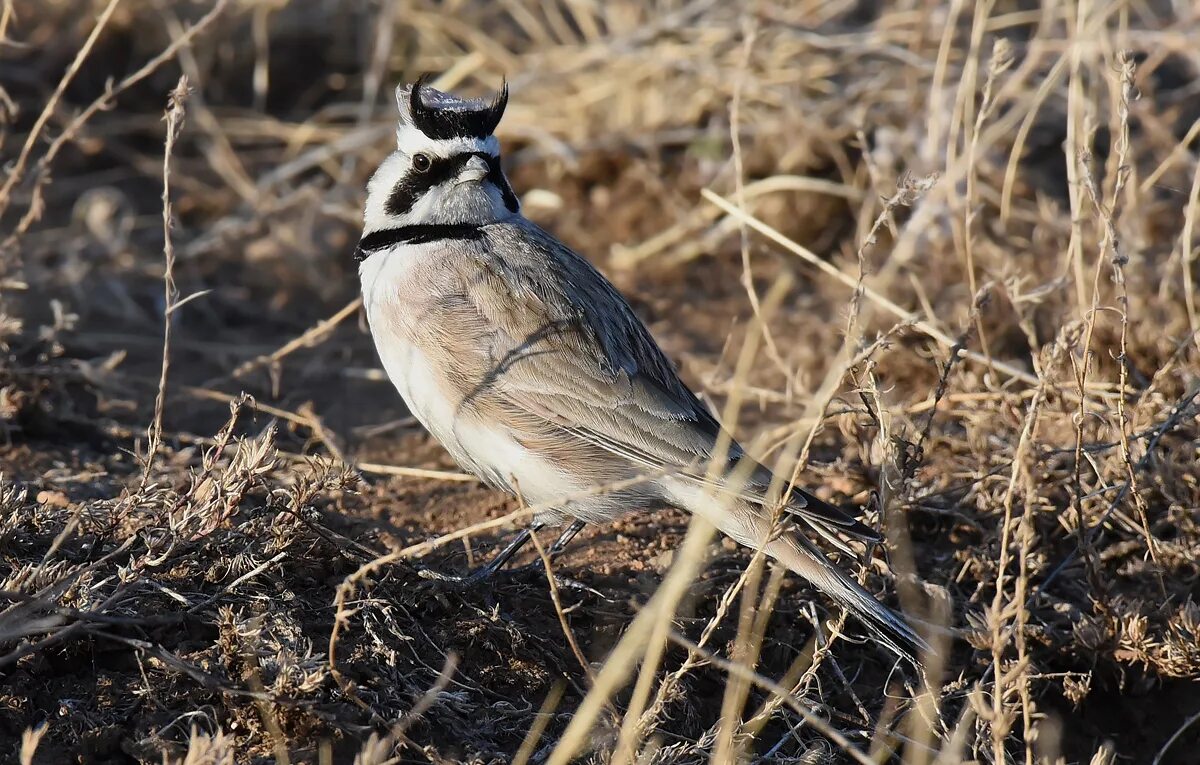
{"x":36,"y":205}
{"x":174,"y":117}
{"x":17,"y":171}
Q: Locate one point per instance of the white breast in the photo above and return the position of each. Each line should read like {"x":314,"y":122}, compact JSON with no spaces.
{"x":392,"y":284}
{"x":487,"y":450}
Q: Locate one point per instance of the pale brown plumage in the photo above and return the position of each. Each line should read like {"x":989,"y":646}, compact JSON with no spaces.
{"x":537,"y":376}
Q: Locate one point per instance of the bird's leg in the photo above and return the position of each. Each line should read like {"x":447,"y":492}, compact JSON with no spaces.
{"x":560,"y":544}
{"x":489,"y":569}
{"x":565,"y":538}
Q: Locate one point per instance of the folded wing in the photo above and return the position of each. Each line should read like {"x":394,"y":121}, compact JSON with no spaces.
{"x":575,"y":368}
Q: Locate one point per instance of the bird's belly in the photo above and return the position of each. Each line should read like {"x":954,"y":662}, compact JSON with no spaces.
{"x":409,"y":371}
{"x":488,"y":450}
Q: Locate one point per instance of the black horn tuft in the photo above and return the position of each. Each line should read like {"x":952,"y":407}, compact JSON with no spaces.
{"x":440,"y":115}
{"x":498,"y":105}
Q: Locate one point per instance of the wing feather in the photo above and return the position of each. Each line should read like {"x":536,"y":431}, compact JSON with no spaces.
{"x":574,"y":365}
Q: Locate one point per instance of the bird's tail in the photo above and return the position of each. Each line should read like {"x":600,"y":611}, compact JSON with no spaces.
{"x":803,"y":558}
{"x":747,"y":523}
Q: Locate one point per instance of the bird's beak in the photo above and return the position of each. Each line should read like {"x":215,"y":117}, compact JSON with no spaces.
{"x":475,"y":170}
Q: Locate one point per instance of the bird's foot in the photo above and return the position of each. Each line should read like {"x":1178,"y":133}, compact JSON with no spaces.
{"x":537,"y":567}
{"x":466,"y":581}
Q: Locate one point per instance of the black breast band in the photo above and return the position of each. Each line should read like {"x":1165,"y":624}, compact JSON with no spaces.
{"x":414,"y":234}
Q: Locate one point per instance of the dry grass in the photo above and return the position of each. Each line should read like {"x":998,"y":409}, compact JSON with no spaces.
{"x":938,"y":260}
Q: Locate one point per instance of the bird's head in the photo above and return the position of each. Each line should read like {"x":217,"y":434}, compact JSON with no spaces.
{"x":446,"y":167}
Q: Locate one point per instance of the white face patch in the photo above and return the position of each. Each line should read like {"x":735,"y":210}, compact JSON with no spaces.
{"x":399,"y":194}
{"x":410,"y":141}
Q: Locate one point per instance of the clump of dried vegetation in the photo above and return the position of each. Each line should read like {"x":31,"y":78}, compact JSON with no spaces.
{"x":938,"y":259}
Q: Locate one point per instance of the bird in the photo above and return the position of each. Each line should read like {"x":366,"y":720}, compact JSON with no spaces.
{"x":535,"y":374}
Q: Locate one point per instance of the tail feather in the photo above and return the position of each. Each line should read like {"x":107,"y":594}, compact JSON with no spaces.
{"x":814,"y":509}
{"x":746,"y":523}
{"x":803,"y":558}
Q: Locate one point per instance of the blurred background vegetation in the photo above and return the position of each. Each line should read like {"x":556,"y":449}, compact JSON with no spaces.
{"x":986,"y":212}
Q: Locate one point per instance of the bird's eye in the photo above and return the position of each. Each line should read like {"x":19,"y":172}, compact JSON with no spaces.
{"x":421,"y":162}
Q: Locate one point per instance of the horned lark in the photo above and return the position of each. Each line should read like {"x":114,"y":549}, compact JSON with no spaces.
{"x":533,"y":371}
